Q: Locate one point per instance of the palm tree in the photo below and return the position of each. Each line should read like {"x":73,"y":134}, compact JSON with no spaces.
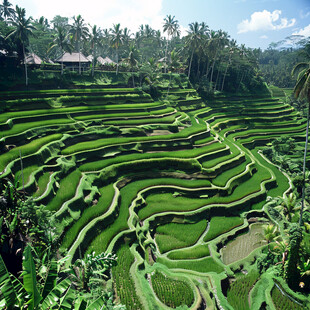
{"x":288,"y":206}
{"x":218,"y":39}
{"x":126,"y":37}
{"x":132,"y":61}
{"x":79,"y":31}
{"x":94,"y":37}
{"x":117,"y":40}
{"x":158,"y":38}
{"x":302,"y":91}
{"x":43,"y":24}
{"x":6,"y":10}
{"x":281,"y":249}
{"x":105,"y":41}
{"x":270,"y":234}
{"x":232,"y":48}
{"x":56,"y":289}
{"x":61,"y":40}
{"x":23,"y":29}
{"x":86,"y":271}
{"x":171,"y":26}
{"x":174,"y":60}
{"x":243,"y":53}
{"x":194,"y":38}
{"x":148,"y":31}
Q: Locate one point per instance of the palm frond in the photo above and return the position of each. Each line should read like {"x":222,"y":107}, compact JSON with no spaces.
{"x":299,"y":66}
{"x":299,"y":86}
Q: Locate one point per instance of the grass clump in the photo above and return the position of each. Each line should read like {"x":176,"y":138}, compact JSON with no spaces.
{"x":174,"y":235}
{"x":197,"y":251}
{"x":67,"y":189}
{"x":173,"y":293}
{"x":282,"y":302}
{"x":203,"y":265}
{"x":221,"y":224}
{"x":26,"y":149}
{"x":125,"y":288}
{"x":90,"y":213}
{"x":42,"y":184}
{"x":238,"y":293}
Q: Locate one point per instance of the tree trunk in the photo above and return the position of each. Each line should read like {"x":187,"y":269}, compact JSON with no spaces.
{"x":22,"y":170}
{"x":133,"y":79}
{"x":190,"y":64}
{"x":116,"y":61}
{"x":79,"y":59}
{"x":304,"y":171}
{"x":204,"y":68}
{"x":242,"y":76}
{"x":166,"y":54}
{"x":208,"y":69}
{"x":198,"y":68}
{"x":225,"y":75}
{"x":62,"y":62}
{"x":26,"y":71}
{"x":292,"y":271}
{"x":169,"y":85}
{"x":93,"y":63}
{"x":217,"y":78}
{"x":212,"y":70}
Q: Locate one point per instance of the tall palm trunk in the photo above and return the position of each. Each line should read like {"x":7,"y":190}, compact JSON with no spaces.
{"x":198,"y":68}
{"x":217,"y":78}
{"x":79,"y":59}
{"x":116,"y":61}
{"x":212,"y":70}
{"x":166,"y":54}
{"x":242,"y":76}
{"x":304,"y":170}
{"x":93,"y":62}
{"x":25,"y":63}
{"x":133,"y":79}
{"x":62,"y":62}
{"x":190,"y":63}
{"x":225,"y":75}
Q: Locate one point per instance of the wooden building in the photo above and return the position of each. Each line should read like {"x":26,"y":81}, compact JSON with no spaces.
{"x":71,"y":61}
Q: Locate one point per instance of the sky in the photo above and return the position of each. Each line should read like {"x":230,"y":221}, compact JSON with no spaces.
{"x":255,"y":23}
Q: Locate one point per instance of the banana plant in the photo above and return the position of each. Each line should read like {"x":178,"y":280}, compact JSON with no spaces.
{"x":52,"y":294}
{"x":25,"y":294}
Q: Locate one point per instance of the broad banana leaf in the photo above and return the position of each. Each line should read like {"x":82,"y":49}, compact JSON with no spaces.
{"x":50,"y":280}
{"x":98,"y":304}
{"x":52,"y":299}
{"x":21,"y":293}
{"x":7,"y":289}
{"x":300,"y":84}
{"x":80,"y":304}
{"x":29,"y":279}
{"x":67,"y":300}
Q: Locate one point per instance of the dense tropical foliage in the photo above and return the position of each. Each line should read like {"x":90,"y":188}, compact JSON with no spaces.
{"x":210,"y":58}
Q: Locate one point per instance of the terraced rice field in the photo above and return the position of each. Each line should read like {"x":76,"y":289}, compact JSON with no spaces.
{"x":165,"y":184}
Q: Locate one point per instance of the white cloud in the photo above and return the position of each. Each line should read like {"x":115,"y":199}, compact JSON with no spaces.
{"x":305,"y":13}
{"x":129,"y":13}
{"x":303,"y":32}
{"x":263,"y":37}
{"x":265,"y":20}
{"x":183,"y":31}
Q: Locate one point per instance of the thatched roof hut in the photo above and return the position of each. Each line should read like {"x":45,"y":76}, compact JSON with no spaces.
{"x":105,"y":61}
{"x":73,"y":61}
{"x":33,"y":59}
{"x":73,"y":58}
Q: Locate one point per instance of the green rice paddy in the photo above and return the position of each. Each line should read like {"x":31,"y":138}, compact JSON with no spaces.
{"x":167,"y":186}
